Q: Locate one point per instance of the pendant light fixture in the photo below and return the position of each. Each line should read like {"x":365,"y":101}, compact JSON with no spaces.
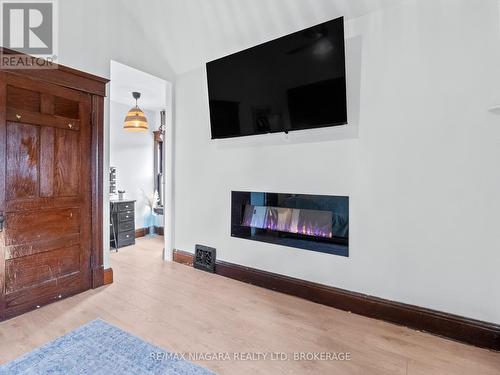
{"x":136,"y":120}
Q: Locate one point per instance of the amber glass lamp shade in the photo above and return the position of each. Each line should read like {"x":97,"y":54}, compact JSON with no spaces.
{"x":136,"y":120}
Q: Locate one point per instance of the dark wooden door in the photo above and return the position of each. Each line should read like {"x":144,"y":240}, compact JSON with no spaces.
{"x":45,"y":192}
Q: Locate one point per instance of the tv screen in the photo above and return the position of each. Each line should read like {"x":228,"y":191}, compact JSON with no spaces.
{"x":290,"y":83}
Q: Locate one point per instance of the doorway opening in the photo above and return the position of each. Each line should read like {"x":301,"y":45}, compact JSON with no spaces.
{"x":139,"y":116}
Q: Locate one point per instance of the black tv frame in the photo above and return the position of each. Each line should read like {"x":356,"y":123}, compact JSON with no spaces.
{"x":286,"y":131}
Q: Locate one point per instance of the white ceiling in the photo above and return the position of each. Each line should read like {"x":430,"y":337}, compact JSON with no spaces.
{"x":125,"y":80}
{"x":192,"y":32}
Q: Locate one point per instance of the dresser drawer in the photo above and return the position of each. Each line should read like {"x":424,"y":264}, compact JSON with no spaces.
{"x":126,"y":238}
{"x":125,"y":216}
{"x":125,"y":206}
{"x":126,"y":226}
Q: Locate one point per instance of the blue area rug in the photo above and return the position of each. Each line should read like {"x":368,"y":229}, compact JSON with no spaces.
{"x":100,"y":348}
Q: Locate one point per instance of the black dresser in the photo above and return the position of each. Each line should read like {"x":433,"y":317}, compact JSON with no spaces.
{"x":122,"y":229}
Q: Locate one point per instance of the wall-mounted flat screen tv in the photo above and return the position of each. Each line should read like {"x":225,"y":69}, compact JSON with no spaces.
{"x":294,"y":82}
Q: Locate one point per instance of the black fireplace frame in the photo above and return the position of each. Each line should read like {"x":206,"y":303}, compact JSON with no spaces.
{"x":335,"y":245}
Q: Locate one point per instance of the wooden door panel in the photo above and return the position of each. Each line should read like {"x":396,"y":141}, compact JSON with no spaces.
{"x":46,"y":250}
{"x":66,"y":163}
{"x":40,"y":87}
{"x":26,"y":272}
{"x":26,"y":249}
{"x":48,"y":156}
{"x":36,"y":118}
{"x":30,"y":227}
{"x":66,"y":108}
{"x":42,"y":203}
{"x":46,"y":161}
{"x":28,"y":299}
{"x":23,"y":99}
{"x":22,"y":161}
{"x":47,"y":238}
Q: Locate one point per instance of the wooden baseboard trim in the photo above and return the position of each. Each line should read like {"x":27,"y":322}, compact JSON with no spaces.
{"x":469,"y":331}
{"x":108,"y":276}
{"x":141,"y":232}
{"x":183,"y":257}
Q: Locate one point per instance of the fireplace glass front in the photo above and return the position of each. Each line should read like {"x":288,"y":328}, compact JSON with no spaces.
{"x":310,"y":222}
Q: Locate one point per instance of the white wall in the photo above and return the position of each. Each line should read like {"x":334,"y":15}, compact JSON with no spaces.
{"x":192,"y":32}
{"x":93,"y":32}
{"x":133,"y":156}
{"x":419,"y":162}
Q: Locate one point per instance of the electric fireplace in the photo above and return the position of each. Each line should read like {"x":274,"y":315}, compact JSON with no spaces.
{"x":311,"y":222}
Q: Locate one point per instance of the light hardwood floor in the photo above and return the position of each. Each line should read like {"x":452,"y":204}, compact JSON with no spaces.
{"x":185,"y":310}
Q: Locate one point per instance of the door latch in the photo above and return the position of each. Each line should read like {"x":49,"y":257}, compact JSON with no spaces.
{"x":2,"y":220}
